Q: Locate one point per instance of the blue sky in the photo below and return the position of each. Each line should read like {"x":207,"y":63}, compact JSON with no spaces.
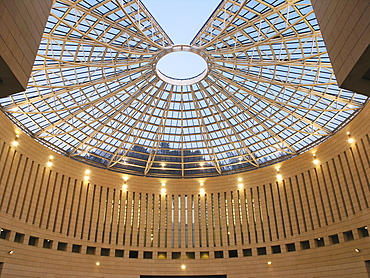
{"x":181,"y":20}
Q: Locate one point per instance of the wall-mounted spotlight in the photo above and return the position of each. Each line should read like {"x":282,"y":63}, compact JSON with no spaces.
{"x":87,"y":173}
{"x":10,"y":252}
{"x":315,"y":160}
{"x":350,"y":139}
{"x":163,"y":191}
{"x":357,"y":250}
{"x":183,"y":267}
{"x":279,"y":176}
{"x":50,"y":162}
{"x":15,"y":142}
{"x":202,"y":191}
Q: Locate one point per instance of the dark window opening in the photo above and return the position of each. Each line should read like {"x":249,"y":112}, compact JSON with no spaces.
{"x":105,"y":252}
{"x":261,"y":251}
{"x":4,"y":234}
{"x":348,"y":236}
{"x":319,"y":242}
{"x":290,"y":247}
{"x":334,"y":239}
{"x":76,"y":248}
{"x":62,"y":246}
{"x":233,"y":253}
{"x":33,"y":241}
{"x":363,"y":231}
{"x":47,"y":244}
{"x":176,"y":255}
{"x":219,"y":254}
{"x":90,"y":250}
{"x":276,"y":249}
{"x":305,"y":245}
{"x":190,"y":255}
{"x":148,"y":255}
{"x":247,"y":252}
{"x":19,"y":237}
{"x":118,"y":253}
{"x":133,"y":254}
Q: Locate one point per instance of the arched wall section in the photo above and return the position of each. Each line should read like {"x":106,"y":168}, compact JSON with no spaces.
{"x":311,"y":201}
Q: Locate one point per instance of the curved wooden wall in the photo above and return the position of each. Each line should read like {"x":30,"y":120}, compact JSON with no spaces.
{"x":309,"y":202}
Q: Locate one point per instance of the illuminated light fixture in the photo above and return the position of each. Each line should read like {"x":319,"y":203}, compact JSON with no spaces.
{"x":15,"y":142}
{"x":279,"y":176}
{"x":124,"y":187}
{"x":315,"y":160}
{"x":87,"y":172}
{"x":86,"y":178}
{"x":163,"y":164}
{"x":51,"y":157}
{"x":269,"y":263}
{"x":125,"y":179}
{"x":49,"y":164}
{"x":357,"y":250}
{"x":163,"y":184}
{"x":201,"y":191}
{"x":201,"y":183}
{"x":350,"y":139}
{"x":97,"y":263}
{"x":240,"y":179}
{"x":163,"y":191}
{"x":183,"y":267}
{"x":10,"y":252}
{"x":240,"y":185}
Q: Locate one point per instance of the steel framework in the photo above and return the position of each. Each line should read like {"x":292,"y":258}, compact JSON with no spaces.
{"x":95,"y":95}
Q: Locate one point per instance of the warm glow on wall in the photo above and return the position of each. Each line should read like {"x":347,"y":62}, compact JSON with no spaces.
{"x":350,"y":139}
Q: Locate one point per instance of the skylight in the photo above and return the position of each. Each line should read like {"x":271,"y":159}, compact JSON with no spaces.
{"x":268,"y":93}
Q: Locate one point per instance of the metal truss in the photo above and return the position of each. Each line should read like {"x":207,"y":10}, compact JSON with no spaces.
{"x":95,"y":95}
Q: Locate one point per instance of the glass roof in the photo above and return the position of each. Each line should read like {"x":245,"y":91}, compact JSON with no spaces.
{"x":269,"y":92}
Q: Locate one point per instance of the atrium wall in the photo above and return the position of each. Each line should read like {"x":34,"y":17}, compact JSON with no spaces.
{"x":21,"y":27}
{"x":87,"y":221}
{"x":345,"y":26}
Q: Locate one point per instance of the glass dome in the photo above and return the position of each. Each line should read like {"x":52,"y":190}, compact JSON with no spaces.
{"x":268,"y":94}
